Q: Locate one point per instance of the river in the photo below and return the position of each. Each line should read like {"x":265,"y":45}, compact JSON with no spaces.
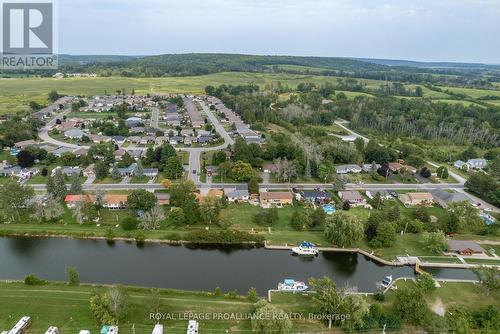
{"x":189,"y":268}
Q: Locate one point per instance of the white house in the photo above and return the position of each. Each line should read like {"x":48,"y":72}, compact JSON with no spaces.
{"x":344,"y":169}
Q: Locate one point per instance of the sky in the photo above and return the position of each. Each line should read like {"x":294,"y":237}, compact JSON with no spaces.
{"x":422,"y":30}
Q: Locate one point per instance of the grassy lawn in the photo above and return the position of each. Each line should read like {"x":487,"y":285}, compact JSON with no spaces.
{"x":483,"y":261}
{"x":439,"y":259}
{"x":472,"y":296}
{"x":139,"y":179}
{"x":107,"y":180}
{"x":67,"y":307}
{"x":184,"y":156}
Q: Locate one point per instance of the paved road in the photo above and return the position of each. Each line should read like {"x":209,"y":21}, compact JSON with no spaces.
{"x":451,"y":173}
{"x":272,"y":186}
{"x":352,"y":133}
{"x":195,"y":152}
{"x":155,"y":114}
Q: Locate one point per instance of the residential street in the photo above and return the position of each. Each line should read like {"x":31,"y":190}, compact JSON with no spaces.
{"x":154,"y":117}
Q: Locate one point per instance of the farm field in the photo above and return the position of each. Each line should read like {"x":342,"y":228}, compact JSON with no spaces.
{"x":17,"y":93}
{"x":472,"y":92}
{"x":461,"y":102}
{"x":428,"y":92}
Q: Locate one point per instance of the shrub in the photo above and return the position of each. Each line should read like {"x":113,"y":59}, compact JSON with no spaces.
{"x":73,"y":277}
{"x":252,"y":295}
{"x":140,"y":238}
{"x":109,"y":235}
{"x":31,"y":279}
{"x":129,"y":223}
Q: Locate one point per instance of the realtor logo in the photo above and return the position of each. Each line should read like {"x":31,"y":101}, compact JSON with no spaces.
{"x":28,"y":35}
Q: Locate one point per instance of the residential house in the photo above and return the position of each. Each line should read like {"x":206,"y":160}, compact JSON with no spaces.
{"x":163,"y":198}
{"x":61,"y":150}
{"x":25,"y":143}
{"x":67,"y":170}
{"x":276,"y":199}
{"x":99,"y":138}
{"x":136,"y":129}
{"x":344,"y":169}
{"x":316,"y":196}
{"x":238,"y":194}
{"x":74,"y":134}
{"x":110,"y":201}
{"x":72,"y":200}
{"x":133,"y":122}
{"x":395,"y":167}
{"x":477,"y":163}
{"x":115,"y":201}
{"x":414,"y":199}
{"x":367,"y":168}
{"x":204,"y":140}
{"x":444,"y":198}
{"x":465,"y":247}
{"x":119,"y":153}
{"x":160,"y":140}
{"x":17,"y":171}
{"x":384,"y":194}
{"x":353,"y":197}
{"x":119,"y":140}
{"x":150,"y":172}
{"x":218,"y":193}
{"x":80,"y":151}
{"x":460,"y":164}
{"x":134,"y":139}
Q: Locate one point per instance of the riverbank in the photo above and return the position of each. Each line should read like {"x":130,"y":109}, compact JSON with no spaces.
{"x":67,"y":307}
{"x":384,"y":256}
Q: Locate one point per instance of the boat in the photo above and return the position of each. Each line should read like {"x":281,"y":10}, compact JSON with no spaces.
{"x":306,"y":249}
{"x":386,"y":282}
{"x":292,"y":285}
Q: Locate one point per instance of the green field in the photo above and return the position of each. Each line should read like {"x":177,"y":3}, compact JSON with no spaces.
{"x":17,"y":93}
{"x":428,"y":92}
{"x":473,"y":92}
{"x":461,"y":102}
{"x":67,"y":307}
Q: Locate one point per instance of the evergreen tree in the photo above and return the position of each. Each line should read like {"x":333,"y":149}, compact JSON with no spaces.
{"x":76,"y":186}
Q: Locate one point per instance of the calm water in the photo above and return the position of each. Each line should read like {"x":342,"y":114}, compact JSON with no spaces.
{"x":181,"y":267}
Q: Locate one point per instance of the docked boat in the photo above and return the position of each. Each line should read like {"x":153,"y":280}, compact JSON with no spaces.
{"x":386,"y":282}
{"x":292,"y":285}
{"x":306,"y":249}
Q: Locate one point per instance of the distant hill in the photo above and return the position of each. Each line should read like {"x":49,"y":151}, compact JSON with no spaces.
{"x":205,"y":63}
{"x":419,"y":64}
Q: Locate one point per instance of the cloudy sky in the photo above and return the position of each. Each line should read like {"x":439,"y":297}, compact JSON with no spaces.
{"x":426,"y":30}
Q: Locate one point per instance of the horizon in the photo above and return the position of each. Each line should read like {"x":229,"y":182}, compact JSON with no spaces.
{"x":282,"y":55}
{"x":425,"y":31}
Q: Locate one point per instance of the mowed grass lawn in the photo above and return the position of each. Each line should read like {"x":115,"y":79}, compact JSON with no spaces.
{"x":16,"y":93}
{"x":67,"y":307}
